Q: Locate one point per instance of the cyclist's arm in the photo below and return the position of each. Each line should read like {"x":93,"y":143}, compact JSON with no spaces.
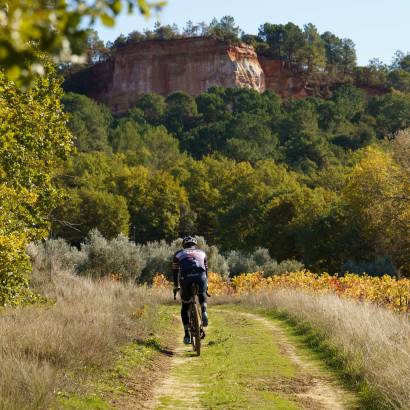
{"x":175,"y":271}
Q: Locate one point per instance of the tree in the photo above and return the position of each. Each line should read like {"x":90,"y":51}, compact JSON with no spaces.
{"x":212,"y":107}
{"x":401,"y":61}
{"x":135,"y":37}
{"x":86,"y":209}
{"x":119,"y":42}
{"x":350,"y":102}
{"x":153,"y":107}
{"x":286,"y":42}
{"x":250,"y":139}
{"x":88,"y":121}
{"x":338,"y":53}
{"x":126,"y":136}
{"x":348,"y":56}
{"x":190,"y":29}
{"x":93,"y":170}
{"x":378,"y":194}
{"x":33,"y":137}
{"x":157,"y":204}
{"x":96,"y":51}
{"x":400,"y":80}
{"x":315,"y":56}
{"x":181,"y":112}
{"x":159,"y":149}
{"x":392,"y":113}
{"x":224,"y":29}
{"x":31,"y":27}
{"x":166,"y":32}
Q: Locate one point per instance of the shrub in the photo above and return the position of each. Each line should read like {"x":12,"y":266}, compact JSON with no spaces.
{"x":288,"y":265}
{"x":158,"y":258}
{"x":239,"y":262}
{"x":117,"y":256}
{"x":259,"y":261}
{"x":216,"y":261}
{"x":55,"y":255}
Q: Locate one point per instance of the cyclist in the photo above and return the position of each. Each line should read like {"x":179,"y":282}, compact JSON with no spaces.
{"x":190,"y":266}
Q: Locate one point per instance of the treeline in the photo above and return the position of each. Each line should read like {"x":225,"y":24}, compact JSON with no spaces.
{"x":311,"y":180}
{"x":324,"y":58}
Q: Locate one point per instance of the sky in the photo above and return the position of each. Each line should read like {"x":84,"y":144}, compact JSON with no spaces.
{"x":377,"y":27}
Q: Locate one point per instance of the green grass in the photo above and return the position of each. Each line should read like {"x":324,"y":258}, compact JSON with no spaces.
{"x":240,"y":367}
{"x":77,"y":402}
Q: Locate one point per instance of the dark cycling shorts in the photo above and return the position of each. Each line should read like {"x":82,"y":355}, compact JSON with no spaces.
{"x":186,"y":286}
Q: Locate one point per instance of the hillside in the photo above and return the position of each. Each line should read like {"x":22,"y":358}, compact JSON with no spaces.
{"x":193,"y":65}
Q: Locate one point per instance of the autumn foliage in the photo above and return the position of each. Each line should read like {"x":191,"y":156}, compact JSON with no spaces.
{"x":385,"y":291}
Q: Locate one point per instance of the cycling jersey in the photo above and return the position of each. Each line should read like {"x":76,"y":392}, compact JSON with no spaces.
{"x":189,"y":262}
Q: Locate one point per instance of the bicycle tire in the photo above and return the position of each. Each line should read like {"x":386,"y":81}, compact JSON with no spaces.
{"x":197,"y":335}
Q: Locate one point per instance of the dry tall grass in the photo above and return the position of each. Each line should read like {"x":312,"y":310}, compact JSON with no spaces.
{"x":42,"y":347}
{"x":374,"y":342}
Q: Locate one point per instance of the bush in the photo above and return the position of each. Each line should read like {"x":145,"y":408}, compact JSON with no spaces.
{"x":158,"y":258}
{"x":55,"y":255}
{"x":117,"y":256}
{"x":100,"y":257}
{"x":288,"y":265}
{"x":216,"y":261}
{"x":259,"y":261}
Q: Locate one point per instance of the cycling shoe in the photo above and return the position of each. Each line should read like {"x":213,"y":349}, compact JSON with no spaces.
{"x":187,"y":340}
{"x":204,"y":319}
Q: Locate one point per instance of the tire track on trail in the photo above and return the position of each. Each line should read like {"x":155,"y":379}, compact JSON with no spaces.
{"x":316,"y":390}
{"x":248,"y":362}
{"x":177,"y":389}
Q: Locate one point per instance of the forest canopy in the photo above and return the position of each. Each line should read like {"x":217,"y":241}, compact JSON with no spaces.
{"x":301,"y":178}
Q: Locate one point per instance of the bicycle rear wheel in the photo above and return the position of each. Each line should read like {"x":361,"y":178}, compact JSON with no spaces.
{"x":196,"y":329}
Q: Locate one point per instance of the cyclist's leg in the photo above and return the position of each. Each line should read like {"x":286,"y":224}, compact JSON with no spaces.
{"x":202,"y":288}
{"x":186,"y":295}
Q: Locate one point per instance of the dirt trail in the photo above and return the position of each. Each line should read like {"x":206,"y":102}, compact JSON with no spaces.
{"x":307,"y":386}
{"x":315,"y":389}
{"x":175,"y":391}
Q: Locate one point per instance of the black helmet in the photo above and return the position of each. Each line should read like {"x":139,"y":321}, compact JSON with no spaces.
{"x":189,"y":241}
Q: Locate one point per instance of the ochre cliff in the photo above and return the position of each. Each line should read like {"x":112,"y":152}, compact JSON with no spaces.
{"x":281,"y":80}
{"x":192,"y":65}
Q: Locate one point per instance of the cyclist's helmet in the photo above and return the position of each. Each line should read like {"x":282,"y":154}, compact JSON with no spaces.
{"x":189,"y":241}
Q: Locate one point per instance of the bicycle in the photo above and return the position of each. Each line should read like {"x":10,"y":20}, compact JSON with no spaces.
{"x":196,"y":330}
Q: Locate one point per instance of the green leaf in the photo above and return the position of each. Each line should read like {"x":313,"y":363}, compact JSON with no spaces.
{"x":107,"y":20}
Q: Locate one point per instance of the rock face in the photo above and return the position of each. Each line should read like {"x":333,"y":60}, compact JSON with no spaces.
{"x":281,"y":80}
{"x":192,"y":65}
